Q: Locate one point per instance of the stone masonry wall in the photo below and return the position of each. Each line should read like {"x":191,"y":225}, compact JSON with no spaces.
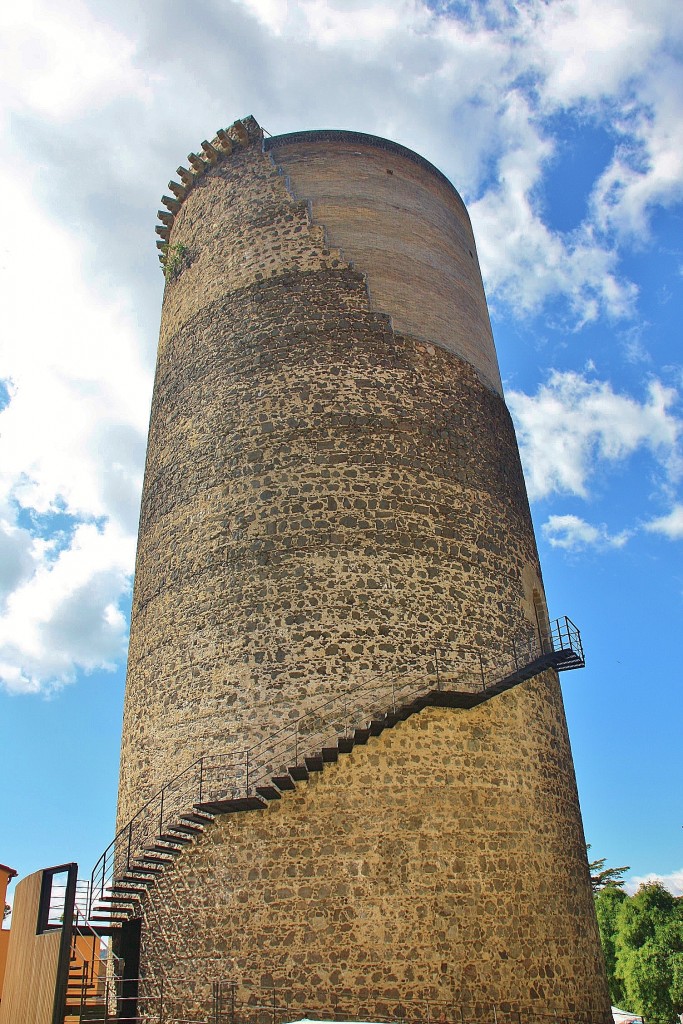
{"x":366,"y":504}
{"x":443,"y":862}
{"x":407,"y":229}
{"x":327,"y":498}
{"x":324,"y":498}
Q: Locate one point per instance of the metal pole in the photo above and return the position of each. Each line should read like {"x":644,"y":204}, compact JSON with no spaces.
{"x":514,"y":653}
{"x":161,"y":812}
{"x":296,"y":742}
{"x":130,"y":843}
{"x":436,"y":662}
{"x":481,"y":668}
{"x":83,"y":977}
{"x":247,"y":791}
{"x":201,"y":777}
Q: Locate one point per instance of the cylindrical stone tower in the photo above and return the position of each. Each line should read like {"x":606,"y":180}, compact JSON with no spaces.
{"x":333,"y":496}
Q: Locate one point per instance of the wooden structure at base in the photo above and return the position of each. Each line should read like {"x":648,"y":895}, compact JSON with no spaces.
{"x":34,"y":991}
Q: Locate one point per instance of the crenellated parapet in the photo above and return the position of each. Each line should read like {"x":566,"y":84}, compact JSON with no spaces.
{"x":240,"y":135}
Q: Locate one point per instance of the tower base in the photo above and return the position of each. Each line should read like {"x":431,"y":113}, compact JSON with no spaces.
{"x":427,"y":874}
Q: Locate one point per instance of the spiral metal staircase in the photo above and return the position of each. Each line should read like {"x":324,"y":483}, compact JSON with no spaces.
{"x":227,"y":783}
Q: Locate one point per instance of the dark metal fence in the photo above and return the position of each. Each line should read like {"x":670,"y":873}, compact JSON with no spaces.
{"x":454,"y":668}
{"x":189,"y":1001}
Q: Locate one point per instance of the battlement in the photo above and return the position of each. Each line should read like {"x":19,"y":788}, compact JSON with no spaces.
{"x":241,"y":134}
{"x":247,"y":132}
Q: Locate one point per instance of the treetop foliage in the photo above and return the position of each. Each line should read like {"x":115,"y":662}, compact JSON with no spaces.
{"x":602,"y":876}
{"x":642,"y":939}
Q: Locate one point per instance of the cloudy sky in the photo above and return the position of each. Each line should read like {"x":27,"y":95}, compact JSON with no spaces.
{"x":561,"y":124}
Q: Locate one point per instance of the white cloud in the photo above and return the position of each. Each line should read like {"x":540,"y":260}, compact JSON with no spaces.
{"x":670,"y":525}
{"x":572,"y":424}
{"x":272,"y":14}
{"x":58,"y":59}
{"x":360,"y":24}
{"x":575,"y":534}
{"x":71,"y":452}
{"x":586,"y":50}
{"x":65,"y":613}
{"x":470,"y":92}
{"x":647,"y":168}
{"x":672,"y":882}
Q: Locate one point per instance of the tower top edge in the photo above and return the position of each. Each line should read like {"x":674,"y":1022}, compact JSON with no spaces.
{"x":247,"y":132}
{"x":361,"y":139}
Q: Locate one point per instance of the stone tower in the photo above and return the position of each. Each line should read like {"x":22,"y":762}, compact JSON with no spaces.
{"x":333,"y":519}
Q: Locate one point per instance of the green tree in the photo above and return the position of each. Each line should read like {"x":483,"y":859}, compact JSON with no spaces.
{"x":608,"y":903}
{"x":648,"y":947}
{"x":602,"y":876}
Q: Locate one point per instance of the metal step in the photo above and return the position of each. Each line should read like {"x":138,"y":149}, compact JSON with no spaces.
{"x":242,"y":803}
{"x":128,"y":881}
{"x":122,"y":898}
{"x":284,"y":782}
{"x":151,"y":858}
{"x":269,"y":792}
{"x":185,"y":828}
{"x":330,"y":754}
{"x":163,"y":848}
{"x":135,"y":871}
{"x":197,"y":817}
{"x":149,"y":869}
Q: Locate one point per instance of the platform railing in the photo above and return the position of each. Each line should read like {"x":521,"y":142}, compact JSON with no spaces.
{"x":453,"y":668}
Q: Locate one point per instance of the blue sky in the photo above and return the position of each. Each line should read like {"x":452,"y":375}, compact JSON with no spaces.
{"x":561,"y":124}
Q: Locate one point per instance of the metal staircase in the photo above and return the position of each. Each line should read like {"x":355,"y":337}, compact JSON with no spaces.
{"x":247,"y":780}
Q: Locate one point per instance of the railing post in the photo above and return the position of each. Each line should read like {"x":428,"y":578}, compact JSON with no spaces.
{"x":514,"y":653}
{"x":161,"y":811}
{"x":128,"y":853}
{"x":436,"y":662}
{"x":201,"y":778}
{"x":296,"y":742}
{"x":247,"y":766}
{"x":481,"y":669}
{"x":393,"y":695}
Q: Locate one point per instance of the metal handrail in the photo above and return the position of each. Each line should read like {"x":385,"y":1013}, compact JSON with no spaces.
{"x":238,"y":773}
